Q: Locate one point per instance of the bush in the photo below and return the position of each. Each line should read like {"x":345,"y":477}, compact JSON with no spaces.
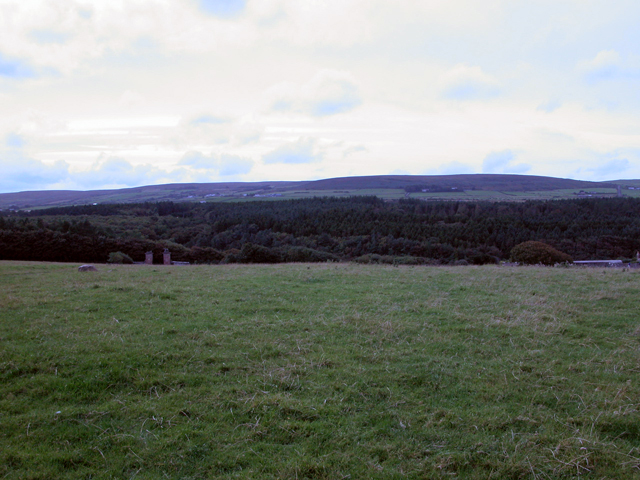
{"x":252,"y":253}
{"x":203,"y":255}
{"x":534,"y":253}
{"x":231,"y":256}
{"x":119,"y":257}
{"x":363,"y":259}
{"x":374,"y":258}
{"x":409,"y":260}
{"x":482,"y":259}
{"x":304,"y":254}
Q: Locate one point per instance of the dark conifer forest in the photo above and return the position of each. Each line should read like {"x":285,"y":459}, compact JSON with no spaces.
{"x":363,"y":229}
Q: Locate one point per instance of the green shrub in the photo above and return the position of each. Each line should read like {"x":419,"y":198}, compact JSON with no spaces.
{"x":374,"y":258}
{"x":203,"y":255}
{"x":119,"y":257}
{"x":409,"y":260}
{"x":364,"y":259}
{"x":304,"y":254}
{"x":231,"y":256}
{"x":534,"y":253}
{"x":252,"y":253}
{"x":480,"y":258}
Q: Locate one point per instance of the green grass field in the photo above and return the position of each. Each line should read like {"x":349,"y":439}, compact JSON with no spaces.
{"x":396,"y":194}
{"x":318,"y":371}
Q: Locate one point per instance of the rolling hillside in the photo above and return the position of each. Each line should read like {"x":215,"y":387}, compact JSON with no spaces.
{"x":485,"y":182}
{"x":450,"y":187}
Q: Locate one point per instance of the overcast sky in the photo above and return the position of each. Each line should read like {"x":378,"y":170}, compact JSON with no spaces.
{"x":119,"y":93}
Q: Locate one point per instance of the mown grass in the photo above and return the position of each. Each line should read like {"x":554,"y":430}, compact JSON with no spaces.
{"x":318,"y":371}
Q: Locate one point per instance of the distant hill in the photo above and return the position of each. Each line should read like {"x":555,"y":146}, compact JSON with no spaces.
{"x":151,"y":193}
{"x":487,"y":182}
{"x":451,"y":187}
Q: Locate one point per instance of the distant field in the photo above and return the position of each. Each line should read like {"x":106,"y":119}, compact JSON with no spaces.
{"x":514,"y":196}
{"x":287,"y":195}
{"x":391,"y":187}
{"x":318,"y":371}
{"x":387,"y":194}
{"x":395,"y":194}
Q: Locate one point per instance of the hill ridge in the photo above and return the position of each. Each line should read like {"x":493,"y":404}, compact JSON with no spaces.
{"x":355,"y":185}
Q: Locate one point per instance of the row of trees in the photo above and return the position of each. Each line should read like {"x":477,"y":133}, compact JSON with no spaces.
{"x":321,"y":229}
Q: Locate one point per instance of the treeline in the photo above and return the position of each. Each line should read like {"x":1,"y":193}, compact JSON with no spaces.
{"x":365,"y":229}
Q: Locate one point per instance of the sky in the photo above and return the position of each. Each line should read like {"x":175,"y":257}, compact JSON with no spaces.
{"x":122,"y":93}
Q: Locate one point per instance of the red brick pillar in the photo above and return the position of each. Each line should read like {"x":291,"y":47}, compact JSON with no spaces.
{"x":166,"y":255}
{"x":148,"y":258}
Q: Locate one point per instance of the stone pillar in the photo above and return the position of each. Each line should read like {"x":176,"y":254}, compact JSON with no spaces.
{"x":166,"y":255}
{"x":148,"y":258}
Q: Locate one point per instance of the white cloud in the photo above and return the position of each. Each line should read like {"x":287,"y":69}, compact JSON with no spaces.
{"x":114,"y":172}
{"x":468,"y":83}
{"x":222,"y":8}
{"x":208,"y":119}
{"x":611,"y":165}
{"x":68,"y":35}
{"x":327,"y":93}
{"x":21,"y":172}
{"x":49,"y":36}
{"x":612,"y":168}
{"x":357,"y":23}
{"x":130,"y":99}
{"x":14,"y":141}
{"x":452,"y":168}
{"x":36,"y":123}
{"x":503,"y":162}
{"x":610,"y":65}
{"x":604,"y":66}
{"x":206,"y":129}
{"x":14,"y":68}
{"x":304,"y":150}
{"x":247,"y":131}
{"x":318,"y":88}
{"x":217,"y":165}
{"x":353,"y":150}
{"x":549,"y":106}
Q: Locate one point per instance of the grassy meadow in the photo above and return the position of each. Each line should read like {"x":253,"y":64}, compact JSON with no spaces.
{"x":318,"y":371}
